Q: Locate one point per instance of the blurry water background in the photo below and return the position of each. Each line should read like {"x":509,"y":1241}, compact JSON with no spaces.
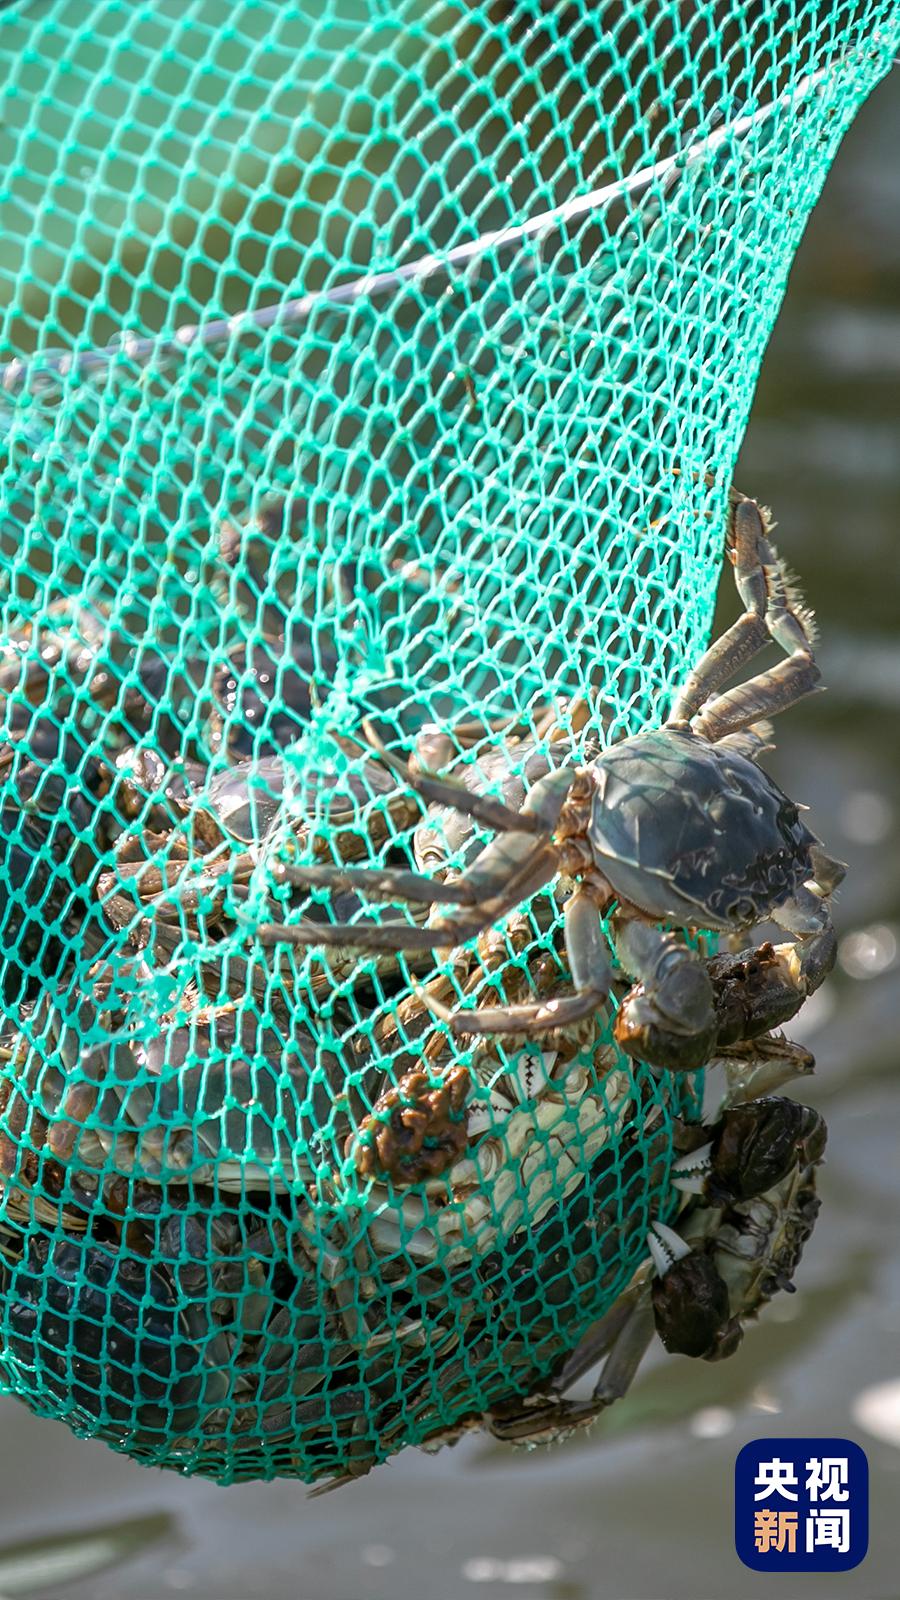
{"x":642,"y":1507}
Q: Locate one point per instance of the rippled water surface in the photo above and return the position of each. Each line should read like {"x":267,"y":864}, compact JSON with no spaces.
{"x":642,"y":1507}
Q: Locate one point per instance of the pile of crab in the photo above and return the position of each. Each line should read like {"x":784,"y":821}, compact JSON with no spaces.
{"x":305,"y":1158}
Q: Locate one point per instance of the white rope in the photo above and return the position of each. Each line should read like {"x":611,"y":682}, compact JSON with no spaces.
{"x":290,"y":313}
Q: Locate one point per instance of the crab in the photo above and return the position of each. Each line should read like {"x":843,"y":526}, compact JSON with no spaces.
{"x":544,"y":1273}
{"x":195,"y":1330}
{"x":674,"y":829}
{"x":75,"y":688}
{"x":211,"y":845}
{"x":118,"y":1350}
{"x":81,"y":664}
{"x":202,"y":1093}
{"x":199,"y":1244}
{"x":286,"y":1287}
{"x":195,"y":852}
{"x":738,"y":1242}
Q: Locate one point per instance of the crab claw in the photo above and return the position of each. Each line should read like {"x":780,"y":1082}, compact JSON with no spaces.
{"x":693,"y":1170}
{"x":690,"y":1300}
{"x":759,"y":989}
{"x":668,"y":1019}
{"x":751,"y":1069}
{"x":666,"y":1247}
{"x":645,"y":1032}
{"x":756,"y":1146}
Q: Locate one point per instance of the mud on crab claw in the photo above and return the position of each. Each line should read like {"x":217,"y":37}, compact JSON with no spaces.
{"x":673,"y":829}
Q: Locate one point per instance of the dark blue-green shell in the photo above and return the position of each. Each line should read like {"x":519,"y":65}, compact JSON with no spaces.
{"x":246,"y":799}
{"x":694,"y":833}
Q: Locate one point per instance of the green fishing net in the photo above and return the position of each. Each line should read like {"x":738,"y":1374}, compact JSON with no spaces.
{"x":361,"y":359}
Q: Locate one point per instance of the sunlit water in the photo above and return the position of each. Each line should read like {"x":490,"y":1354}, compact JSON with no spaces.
{"x":642,"y":1507}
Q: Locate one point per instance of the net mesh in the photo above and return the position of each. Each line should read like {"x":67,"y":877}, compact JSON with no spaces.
{"x":360,"y":359}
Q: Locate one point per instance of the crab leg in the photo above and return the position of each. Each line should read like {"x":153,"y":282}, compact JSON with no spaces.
{"x":746,"y":637}
{"x":791,"y":627}
{"x":494,"y":873}
{"x":763,"y":696}
{"x":436,"y":790}
{"x":507,"y":872}
{"x":750,"y":742}
{"x":434,"y":748}
{"x":622,"y":1335}
{"x":738,"y":645}
{"x":591,"y":974}
{"x":381,"y":883}
{"x":773,"y":612}
{"x":750,"y":1069}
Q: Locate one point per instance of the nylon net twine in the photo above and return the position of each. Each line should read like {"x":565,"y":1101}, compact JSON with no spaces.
{"x":372,"y":375}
